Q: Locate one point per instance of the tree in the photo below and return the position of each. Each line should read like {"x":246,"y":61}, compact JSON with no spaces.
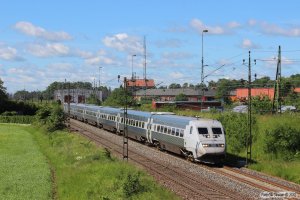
{"x":21,"y":95}
{"x":174,"y":86}
{"x":185,"y":85}
{"x":181,"y":97}
{"x":93,"y":99}
{"x":3,"y":94}
{"x":117,"y":98}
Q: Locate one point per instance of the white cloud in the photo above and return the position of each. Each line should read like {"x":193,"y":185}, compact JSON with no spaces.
{"x":100,"y":58}
{"x":176,"y":75}
{"x":176,"y":55}
{"x":199,"y":26}
{"x":9,"y":53}
{"x":248,"y":44}
{"x":48,"y":50}
{"x":273,"y":29}
{"x":36,"y":31}
{"x":67,"y":67}
{"x":170,"y":43}
{"x":252,"y":22}
{"x":123,"y":42}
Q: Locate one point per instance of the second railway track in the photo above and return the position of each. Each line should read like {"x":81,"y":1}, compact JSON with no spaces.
{"x":186,"y":185}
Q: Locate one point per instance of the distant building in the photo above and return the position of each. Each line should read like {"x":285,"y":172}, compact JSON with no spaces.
{"x":76,"y":95}
{"x":170,"y":94}
{"x":140,"y":84}
{"x":297,"y":90}
{"x":241,"y":94}
{"x":191,"y":105}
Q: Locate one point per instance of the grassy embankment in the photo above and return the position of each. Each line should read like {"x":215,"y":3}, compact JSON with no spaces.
{"x":82,"y":170}
{"x":266,"y":162}
{"x":24,"y":170}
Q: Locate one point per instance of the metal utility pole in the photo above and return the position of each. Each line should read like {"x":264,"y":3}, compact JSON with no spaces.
{"x":249,"y":138}
{"x":202,"y":72}
{"x":132,"y":74}
{"x":125,"y":132}
{"x":277,"y":86}
{"x":100,"y":76}
{"x":145,"y":67}
{"x":69,"y":99}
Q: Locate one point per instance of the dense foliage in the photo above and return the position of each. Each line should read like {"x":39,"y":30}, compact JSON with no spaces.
{"x":92,"y":99}
{"x":20,"y":107}
{"x":181,"y":97}
{"x":284,"y":141}
{"x":51,"y":117}
{"x":17,"y":119}
{"x":237,"y":130}
{"x":261,"y":105}
{"x":118,"y":98}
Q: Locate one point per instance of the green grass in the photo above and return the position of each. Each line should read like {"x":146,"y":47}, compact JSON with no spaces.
{"x":24,"y":172}
{"x":84,"y":171}
{"x":270,"y":163}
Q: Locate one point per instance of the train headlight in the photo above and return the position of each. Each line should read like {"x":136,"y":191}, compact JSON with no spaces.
{"x":222,"y":145}
{"x":205,"y":145}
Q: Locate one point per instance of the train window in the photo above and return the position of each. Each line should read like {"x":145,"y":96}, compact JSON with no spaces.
{"x":169,"y":130}
{"x":140,"y":124}
{"x":177,"y":132}
{"x":158,"y":128}
{"x":173,"y":131}
{"x":181,"y":132}
{"x":165,"y":129}
{"x":202,"y":131}
{"x":191,"y":130}
{"x":136,"y":123}
{"x":217,"y":131}
{"x":143,"y":124}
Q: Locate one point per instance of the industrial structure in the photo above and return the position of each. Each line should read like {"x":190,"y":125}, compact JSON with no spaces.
{"x":76,"y":95}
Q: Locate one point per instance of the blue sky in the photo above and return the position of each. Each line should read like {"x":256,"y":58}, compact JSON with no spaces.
{"x":46,"y":41}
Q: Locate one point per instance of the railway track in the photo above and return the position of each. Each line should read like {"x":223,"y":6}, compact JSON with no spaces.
{"x":194,"y":185}
{"x":269,"y":186}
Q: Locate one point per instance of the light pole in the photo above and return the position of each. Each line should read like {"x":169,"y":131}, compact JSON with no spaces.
{"x":202,"y":70}
{"x":100,"y":76}
{"x":132,"y":66}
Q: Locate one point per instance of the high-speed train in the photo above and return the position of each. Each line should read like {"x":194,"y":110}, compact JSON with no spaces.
{"x":197,"y":139}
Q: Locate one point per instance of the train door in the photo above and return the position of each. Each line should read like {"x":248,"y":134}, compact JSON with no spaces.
{"x":149,"y":131}
{"x":118,"y":121}
{"x":189,"y":138}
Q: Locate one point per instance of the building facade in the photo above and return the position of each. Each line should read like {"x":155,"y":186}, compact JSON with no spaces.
{"x":170,"y":94}
{"x":76,"y":95}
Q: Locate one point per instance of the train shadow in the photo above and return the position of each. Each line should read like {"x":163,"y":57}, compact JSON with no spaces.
{"x":235,"y":161}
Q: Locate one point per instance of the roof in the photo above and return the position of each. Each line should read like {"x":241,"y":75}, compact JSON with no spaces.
{"x":297,"y":90}
{"x":175,"y":92}
{"x":141,"y":83}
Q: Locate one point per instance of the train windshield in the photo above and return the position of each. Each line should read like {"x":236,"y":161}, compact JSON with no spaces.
{"x":202,"y":131}
{"x":217,"y":131}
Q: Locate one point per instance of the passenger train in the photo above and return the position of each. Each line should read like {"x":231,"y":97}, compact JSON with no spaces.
{"x":197,"y":139}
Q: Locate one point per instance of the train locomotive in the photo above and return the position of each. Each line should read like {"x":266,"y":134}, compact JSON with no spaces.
{"x":197,"y":139}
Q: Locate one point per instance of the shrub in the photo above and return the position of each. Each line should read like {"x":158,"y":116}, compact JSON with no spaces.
{"x":132,"y":185}
{"x":18,"y":119}
{"x":236,"y":127}
{"x":9,"y":113}
{"x":283,"y":141}
{"x":51,"y":117}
